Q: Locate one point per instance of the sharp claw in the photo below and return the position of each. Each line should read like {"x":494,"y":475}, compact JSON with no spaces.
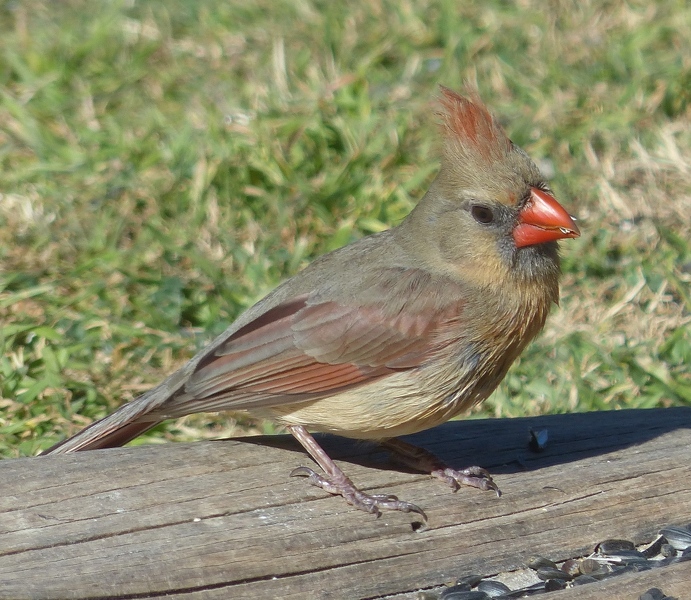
{"x":384,"y":497}
{"x":371,"y":503}
{"x":334,"y":481}
{"x":425,"y":461}
{"x":488,"y":484}
{"x":302,"y":472}
{"x":472,"y":476}
{"x":419,"y":511}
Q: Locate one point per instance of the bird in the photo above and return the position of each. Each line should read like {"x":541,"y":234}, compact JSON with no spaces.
{"x":394,"y":333}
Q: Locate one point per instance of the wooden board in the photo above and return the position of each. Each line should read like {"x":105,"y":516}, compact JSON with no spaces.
{"x":224,"y":520}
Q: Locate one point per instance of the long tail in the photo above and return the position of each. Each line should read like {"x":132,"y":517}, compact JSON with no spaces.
{"x":118,"y":428}
{"x":129,"y":421}
{"x":93,"y":438}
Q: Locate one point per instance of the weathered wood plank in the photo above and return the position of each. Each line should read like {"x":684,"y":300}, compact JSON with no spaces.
{"x":224,"y":520}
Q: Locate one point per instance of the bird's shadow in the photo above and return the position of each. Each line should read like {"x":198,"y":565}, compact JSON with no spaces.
{"x":503,"y":445}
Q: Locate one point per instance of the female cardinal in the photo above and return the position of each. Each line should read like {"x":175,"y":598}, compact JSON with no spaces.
{"x":395,"y":333}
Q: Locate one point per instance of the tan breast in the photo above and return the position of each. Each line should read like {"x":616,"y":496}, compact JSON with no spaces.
{"x":466,"y":368}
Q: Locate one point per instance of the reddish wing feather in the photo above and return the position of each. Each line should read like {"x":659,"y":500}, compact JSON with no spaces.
{"x":316,"y":348}
{"x":263,"y":358}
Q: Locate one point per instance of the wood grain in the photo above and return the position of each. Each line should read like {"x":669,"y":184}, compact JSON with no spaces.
{"x":224,"y":520}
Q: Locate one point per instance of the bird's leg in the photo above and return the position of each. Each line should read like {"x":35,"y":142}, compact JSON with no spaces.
{"x":423,"y":460}
{"x":336,"y":482}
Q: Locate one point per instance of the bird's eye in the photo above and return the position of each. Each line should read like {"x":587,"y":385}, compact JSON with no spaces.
{"x":482,"y":214}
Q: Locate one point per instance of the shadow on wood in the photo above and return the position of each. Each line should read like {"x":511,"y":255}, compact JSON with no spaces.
{"x":223,"y":519}
{"x":501,"y":445}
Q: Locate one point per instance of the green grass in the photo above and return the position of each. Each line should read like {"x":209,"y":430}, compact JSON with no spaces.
{"x":164,"y":165}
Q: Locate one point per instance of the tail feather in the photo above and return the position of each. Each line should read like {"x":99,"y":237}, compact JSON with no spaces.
{"x":166,"y":400}
{"x":93,"y":438}
{"x":130,"y":420}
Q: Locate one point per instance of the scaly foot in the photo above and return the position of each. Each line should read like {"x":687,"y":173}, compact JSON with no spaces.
{"x":336,"y":482}
{"x":423,"y":460}
{"x":339,"y":484}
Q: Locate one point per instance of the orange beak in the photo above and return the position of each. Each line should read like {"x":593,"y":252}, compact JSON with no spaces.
{"x":542,"y":220}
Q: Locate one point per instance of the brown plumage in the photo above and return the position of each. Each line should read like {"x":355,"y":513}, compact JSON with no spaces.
{"x":397,"y":332}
